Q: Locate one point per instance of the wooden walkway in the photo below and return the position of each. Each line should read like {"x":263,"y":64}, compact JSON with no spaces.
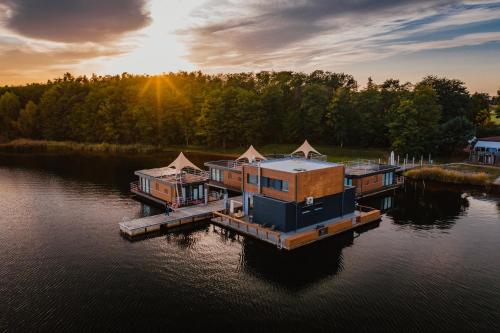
{"x":179,"y":217}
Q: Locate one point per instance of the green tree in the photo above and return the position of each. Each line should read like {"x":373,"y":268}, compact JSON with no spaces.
{"x":28,"y":121}
{"x":414,"y":127}
{"x":455,"y":134}
{"x":9,"y":112}
{"x":313,"y":110}
{"x":341,"y":118}
{"x":480,"y":108}
{"x":452,"y":96}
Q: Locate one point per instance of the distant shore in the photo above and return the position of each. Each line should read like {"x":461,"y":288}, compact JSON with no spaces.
{"x":334,"y":153}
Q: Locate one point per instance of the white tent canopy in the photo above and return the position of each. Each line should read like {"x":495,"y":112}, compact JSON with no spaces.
{"x":251,"y":155}
{"x":306,"y":149}
{"x":182,"y":162}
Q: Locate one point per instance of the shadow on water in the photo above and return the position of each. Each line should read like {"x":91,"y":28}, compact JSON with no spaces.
{"x":428,"y":205}
{"x":111,"y":171}
{"x":300,"y":268}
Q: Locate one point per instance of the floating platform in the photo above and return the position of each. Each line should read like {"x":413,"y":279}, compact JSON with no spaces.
{"x":295,"y":239}
{"x":180,"y":216}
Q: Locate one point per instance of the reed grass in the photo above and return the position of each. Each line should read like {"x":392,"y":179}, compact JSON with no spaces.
{"x":440,"y":174}
{"x":335,"y":153}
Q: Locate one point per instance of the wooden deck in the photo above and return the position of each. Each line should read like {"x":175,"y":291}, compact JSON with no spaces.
{"x":179,"y":217}
{"x":295,"y":239}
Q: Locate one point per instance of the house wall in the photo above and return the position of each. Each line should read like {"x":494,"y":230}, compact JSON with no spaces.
{"x":162,"y":191}
{"x":232,"y":179}
{"x":368,"y":183}
{"x":288,"y":216}
{"x":320,"y":183}
{"x":270,"y":192}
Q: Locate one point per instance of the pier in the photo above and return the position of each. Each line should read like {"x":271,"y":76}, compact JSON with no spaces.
{"x":180,"y":216}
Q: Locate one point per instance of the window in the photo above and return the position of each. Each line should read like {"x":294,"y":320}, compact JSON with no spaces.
{"x":276,"y":184}
{"x":252,"y":179}
{"x":201,"y":191}
{"x":348,"y":181}
{"x":388,"y":178}
{"x":217,"y":175}
{"x":284,"y":186}
{"x":264,"y":181}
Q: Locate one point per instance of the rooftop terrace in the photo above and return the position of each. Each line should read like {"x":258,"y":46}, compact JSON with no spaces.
{"x":295,"y":165}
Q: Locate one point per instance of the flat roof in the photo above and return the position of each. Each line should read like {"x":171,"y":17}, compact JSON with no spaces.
{"x":296,"y":165}
{"x":487,"y":144}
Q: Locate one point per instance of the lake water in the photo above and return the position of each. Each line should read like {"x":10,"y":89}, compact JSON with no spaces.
{"x":432,"y":263}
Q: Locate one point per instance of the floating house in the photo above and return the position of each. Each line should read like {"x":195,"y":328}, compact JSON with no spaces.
{"x":370,"y":177}
{"x":292,"y":193}
{"x":486,"y":150}
{"x":291,"y":202}
{"x":181,"y":183}
{"x":288,"y":200}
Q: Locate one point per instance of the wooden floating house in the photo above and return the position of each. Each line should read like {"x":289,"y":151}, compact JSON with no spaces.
{"x":181,"y":183}
{"x":291,"y":202}
{"x":287,"y":200}
{"x":371,"y":178}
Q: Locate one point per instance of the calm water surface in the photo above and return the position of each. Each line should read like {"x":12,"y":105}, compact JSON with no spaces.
{"x":432,"y":263}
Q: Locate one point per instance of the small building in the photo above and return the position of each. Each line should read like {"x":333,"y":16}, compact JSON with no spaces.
{"x":227,"y":174}
{"x":486,"y":150}
{"x":290,"y":194}
{"x":181,"y":183}
{"x":370,"y":177}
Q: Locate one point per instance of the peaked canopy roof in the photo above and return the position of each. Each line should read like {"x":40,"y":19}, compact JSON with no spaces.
{"x":306,"y":148}
{"x":251,"y":155}
{"x":182,"y":162}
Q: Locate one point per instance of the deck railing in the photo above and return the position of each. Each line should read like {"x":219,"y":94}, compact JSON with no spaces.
{"x":254,"y":229}
{"x":134,"y":186}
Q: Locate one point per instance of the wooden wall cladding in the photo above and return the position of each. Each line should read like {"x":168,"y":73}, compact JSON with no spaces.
{"x":162,"y":191}
{"x":368,"y":184}
{"x":319,"y":183}
{"x":232,"y":179}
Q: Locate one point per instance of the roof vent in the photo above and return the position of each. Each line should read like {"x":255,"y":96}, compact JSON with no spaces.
{"x":299,"y":169}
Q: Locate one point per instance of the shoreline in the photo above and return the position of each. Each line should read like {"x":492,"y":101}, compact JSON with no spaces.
{"x":25,"y":146}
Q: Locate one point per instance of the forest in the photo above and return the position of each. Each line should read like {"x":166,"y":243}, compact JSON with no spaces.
{"x":233,"y":110}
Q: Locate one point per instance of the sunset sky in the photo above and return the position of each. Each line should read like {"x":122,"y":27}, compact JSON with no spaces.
{"x":405,"y":39}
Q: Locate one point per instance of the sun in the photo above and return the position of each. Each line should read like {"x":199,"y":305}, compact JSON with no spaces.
{"x":156,"y":48}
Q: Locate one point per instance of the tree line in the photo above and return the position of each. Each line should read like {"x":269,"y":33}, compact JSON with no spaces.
{"x":228,"y":110}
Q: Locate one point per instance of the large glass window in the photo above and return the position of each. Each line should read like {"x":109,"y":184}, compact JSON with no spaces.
{"x":277,"y":184}
{"x":348,"y":181}
{"x":217,"y":175}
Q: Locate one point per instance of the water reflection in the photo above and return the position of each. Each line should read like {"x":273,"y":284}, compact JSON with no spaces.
{"x":384,"y":203}
{"x":428,"y":206}
{"x":110,"y":171}
{"x":298,"y":269}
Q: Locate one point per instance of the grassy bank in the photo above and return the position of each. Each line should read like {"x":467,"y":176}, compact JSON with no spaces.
{"x":334,"y":153}
{"x":456,"y":173}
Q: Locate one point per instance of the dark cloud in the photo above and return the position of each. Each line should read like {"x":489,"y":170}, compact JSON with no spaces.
{"x":75,"y":20}
{"x":274,"y":26}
